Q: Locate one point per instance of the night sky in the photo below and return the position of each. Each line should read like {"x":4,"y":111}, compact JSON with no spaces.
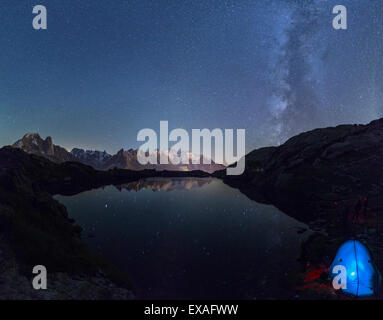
{"x":105,"y":69}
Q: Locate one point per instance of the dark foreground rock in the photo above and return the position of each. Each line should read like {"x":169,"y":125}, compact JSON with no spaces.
{"x":15,"y":283}
{"x":318,"y":174}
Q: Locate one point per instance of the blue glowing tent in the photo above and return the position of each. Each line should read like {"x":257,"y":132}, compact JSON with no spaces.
{"x":362,"y":276}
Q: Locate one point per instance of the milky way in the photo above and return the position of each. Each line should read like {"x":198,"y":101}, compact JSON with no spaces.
{"x":104,"y":70}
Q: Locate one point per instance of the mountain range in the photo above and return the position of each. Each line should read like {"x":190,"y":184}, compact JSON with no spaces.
{"x":101,"y":160}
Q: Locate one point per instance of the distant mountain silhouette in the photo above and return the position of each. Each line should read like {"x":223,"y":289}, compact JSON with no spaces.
{"x":101,"y":160}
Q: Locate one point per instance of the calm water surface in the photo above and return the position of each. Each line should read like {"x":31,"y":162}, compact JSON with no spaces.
{"x":190,"y":238}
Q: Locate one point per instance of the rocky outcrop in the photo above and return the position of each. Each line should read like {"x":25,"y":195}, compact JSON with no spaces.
{"x":318,"y":173}
{"x":124,"y":160}
{"x":34,"y":144}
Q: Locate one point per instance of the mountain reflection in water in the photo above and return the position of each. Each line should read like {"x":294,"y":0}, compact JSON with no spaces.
{"x":165,"y":184}
{"x":202,"y":240}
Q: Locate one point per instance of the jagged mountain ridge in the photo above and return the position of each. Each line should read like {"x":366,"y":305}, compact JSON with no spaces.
{"x":101,"y":160}
{"x":95,"y":159}
{"x":34,"y":144}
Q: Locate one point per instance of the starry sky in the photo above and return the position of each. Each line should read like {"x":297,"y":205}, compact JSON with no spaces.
{"x":105,"y":69}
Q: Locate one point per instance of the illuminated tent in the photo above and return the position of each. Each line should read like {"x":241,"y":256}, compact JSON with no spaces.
{"x":362,"y":276}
